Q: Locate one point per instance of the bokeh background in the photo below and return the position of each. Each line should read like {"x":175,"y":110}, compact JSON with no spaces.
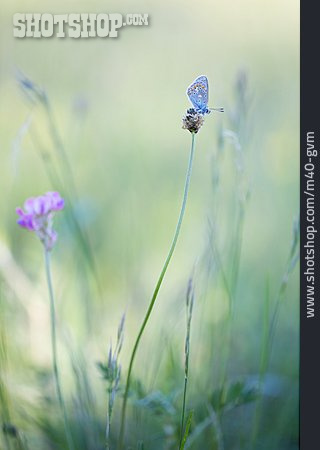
{"x":115,"y":109}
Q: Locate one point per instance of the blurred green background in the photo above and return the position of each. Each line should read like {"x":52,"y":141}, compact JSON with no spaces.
{"x":117,"y":106}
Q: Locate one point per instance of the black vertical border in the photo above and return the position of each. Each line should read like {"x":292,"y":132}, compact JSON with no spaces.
{"x":309,"y":327}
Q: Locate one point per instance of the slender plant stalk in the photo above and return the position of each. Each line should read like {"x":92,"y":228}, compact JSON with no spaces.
{"x":4,"y":397}
{"x":54,"y":351}
{"x":264,"y":357}
{"x":183,"y":408}
{"x":156,"y":291}
{"x":189,"y":309}
{"x":186,"y":433}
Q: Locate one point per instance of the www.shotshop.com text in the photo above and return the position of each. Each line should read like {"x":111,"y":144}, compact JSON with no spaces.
{"x":309,"y":246}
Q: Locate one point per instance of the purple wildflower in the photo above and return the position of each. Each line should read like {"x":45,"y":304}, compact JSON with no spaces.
{"x":38,"y":215}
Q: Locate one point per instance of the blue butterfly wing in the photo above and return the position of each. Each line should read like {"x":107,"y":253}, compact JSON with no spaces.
{"x":198,"y":93}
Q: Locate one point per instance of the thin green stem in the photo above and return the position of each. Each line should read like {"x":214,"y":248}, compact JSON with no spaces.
{"x":155,"y":293}
{"x":189,"y":310}
{"x":54,"y":351}
{"x":183,"y":408}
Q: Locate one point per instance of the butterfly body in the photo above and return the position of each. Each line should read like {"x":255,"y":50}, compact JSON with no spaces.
{"x":198,"y":93}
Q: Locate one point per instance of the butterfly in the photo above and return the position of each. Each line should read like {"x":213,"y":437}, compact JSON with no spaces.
{"x":198,"y":93}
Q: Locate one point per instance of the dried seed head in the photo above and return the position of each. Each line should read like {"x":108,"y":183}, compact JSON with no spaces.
{"x":192,"y":121}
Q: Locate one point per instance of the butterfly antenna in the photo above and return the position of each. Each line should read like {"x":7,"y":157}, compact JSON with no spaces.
{"x":217,"y":109}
